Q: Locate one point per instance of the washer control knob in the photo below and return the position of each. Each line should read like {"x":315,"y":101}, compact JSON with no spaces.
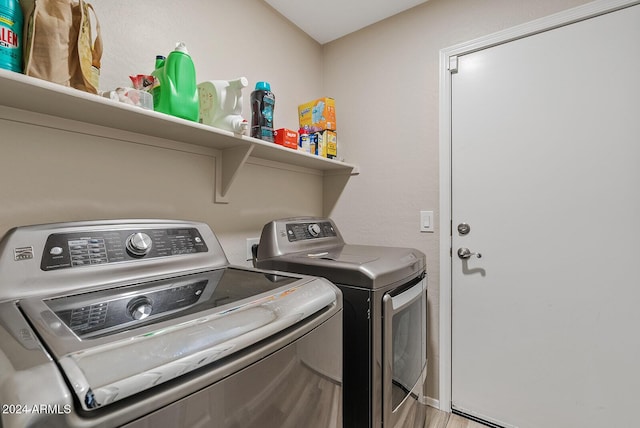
{"x":55,"y":251}
{"x":138,"y":244}
{"x":139,"y":308}
{"x":314,"y":230}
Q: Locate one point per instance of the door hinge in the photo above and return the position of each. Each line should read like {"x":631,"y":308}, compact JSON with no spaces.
{"x":453,"y":64}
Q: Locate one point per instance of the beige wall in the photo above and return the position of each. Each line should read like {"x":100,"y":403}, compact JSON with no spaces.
{"x":385,"y":79}
{"x":226,"y":39}
{"x":50,"y":175}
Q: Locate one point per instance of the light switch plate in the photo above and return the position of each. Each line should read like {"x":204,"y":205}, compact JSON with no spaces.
{"x":426,"y":221}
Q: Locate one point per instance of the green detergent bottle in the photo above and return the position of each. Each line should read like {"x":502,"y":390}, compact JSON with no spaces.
{"x":176,"y":91}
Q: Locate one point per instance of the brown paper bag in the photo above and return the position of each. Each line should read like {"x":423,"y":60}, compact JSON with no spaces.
{"x":59,"y":44}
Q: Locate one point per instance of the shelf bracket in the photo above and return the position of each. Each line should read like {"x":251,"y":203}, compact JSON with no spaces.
{"x":228,"y":163}
{"x":334,"y":184}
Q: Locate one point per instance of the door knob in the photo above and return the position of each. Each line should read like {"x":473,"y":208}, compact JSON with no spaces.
{"x":465,"y":253}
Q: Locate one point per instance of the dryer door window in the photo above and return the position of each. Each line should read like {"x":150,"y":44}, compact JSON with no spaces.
{"x":404,"y":342}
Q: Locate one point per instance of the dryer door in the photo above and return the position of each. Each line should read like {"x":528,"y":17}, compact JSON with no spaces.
{"x":404,"y":353}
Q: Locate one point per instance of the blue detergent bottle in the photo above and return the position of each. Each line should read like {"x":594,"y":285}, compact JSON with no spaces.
{"x":11,"y":35}
{"x":262,"y":105}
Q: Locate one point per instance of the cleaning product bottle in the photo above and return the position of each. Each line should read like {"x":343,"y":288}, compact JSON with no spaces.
{"x":262,"y":104}
{"x":221,"y":104}
{"x":176,"y":91}
{"x":313,"y":143}
{"x":11,"y":35}
{"x":156,"y":89}
{"x":304,"y":142}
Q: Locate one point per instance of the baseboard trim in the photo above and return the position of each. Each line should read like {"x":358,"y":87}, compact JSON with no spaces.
{"x":432,"y":402}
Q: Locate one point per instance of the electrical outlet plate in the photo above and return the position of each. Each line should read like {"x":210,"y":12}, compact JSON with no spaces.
{"x":250,"y":243}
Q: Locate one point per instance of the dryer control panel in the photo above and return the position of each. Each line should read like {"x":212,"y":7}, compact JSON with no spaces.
{"x":311,"y":230}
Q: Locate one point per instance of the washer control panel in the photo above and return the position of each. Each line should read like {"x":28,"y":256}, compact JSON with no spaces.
{"x":96,"y":313}
{"x":312,"y":230}
{"x":66,"y":250}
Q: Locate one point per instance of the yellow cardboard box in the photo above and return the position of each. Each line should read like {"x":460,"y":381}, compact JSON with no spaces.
{"x":318,"y":115}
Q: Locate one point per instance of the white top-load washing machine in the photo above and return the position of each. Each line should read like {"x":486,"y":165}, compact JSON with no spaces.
{"x":385,"y":308}
{"x":143,"y":323}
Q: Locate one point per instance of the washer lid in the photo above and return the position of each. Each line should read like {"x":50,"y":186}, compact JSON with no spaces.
{"x":108,"y":354}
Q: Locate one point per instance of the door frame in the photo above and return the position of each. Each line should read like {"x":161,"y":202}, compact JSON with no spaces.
{"x":448,"y":65}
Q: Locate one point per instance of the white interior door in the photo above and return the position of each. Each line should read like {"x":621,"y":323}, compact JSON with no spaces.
{"x":546,"y":172}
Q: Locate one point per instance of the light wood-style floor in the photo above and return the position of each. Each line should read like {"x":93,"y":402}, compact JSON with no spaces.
{"x":438,"y":419}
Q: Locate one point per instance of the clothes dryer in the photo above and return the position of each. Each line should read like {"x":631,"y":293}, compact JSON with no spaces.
{"x":385,"y":315}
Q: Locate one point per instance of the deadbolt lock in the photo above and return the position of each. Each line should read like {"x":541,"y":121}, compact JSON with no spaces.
{"x":464,"y":228}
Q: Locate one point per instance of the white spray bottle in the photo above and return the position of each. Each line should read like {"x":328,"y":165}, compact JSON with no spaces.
{"x":221,"y":104}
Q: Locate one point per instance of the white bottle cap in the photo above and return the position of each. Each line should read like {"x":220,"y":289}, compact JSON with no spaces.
{"x":182,"y":47}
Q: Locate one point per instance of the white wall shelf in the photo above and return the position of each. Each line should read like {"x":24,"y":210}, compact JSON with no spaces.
{"x":30,"y":94}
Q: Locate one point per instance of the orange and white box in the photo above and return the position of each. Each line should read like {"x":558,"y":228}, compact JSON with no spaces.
{"x":286,"y":137}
